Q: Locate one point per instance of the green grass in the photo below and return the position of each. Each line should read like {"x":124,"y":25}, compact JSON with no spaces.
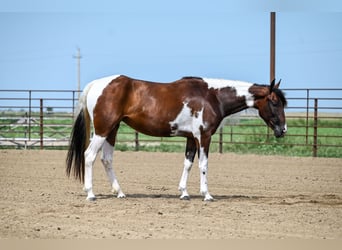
{"x":53,"y":126}
{"x":297,"y":142}
{"x":246,"y":136}
{"x":252,"y":136}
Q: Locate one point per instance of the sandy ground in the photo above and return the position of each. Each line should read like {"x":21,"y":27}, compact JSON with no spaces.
{"x":256,"y":197}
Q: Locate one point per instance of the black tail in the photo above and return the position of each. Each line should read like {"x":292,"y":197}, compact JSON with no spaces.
{"x":77,"y":146}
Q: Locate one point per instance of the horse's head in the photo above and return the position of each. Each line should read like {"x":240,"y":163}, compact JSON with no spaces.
{"x":270,"y":101}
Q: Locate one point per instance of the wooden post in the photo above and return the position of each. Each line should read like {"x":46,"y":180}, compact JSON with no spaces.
{"x":221,"y":140}
{"x":136,"y":141}
{"x":272,"y":55}
{"x":30,"y":114}
{"x":272,"y":46}
{"x":307,"y":116}
{"x":314,"y":146}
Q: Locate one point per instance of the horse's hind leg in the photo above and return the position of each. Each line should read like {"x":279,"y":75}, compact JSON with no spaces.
{"x":190,"y":153}
{"x":107,"y":161}
{"x":90,"y":156}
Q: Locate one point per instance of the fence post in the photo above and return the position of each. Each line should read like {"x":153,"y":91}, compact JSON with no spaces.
{"x":136,"y":141}
{"x":307,"y":116}
{"x":221,"y":140}
{"x":30,"y":114}
{"x":73,"y":105}
{"x":41,"y":131}
{"x":314,"y":148}
{"x":26,"y":129}
{"x":231,"y":133}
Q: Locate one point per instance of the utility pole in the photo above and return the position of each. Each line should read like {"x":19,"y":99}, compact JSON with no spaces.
{"x":78,"y":58}
{"x":272,"y":46}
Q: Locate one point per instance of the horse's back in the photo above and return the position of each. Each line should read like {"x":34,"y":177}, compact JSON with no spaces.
{"x":126,"y":95}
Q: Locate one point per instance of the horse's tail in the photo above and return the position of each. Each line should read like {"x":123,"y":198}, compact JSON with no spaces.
{"x":79,"y":141}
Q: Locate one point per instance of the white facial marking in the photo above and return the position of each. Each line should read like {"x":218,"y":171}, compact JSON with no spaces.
{"x":188,"y":122}
{"x":240,"y":87}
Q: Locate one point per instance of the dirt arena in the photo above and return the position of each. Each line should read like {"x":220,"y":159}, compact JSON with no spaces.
{"x":255,"y":197}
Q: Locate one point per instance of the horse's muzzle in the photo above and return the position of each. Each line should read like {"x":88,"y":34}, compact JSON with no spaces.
{"x":280,"y":131}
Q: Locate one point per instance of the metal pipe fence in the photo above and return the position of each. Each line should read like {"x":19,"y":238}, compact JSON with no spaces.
{"x":43,"y":119}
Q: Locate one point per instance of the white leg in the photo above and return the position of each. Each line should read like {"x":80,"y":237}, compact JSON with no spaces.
{"x":90,"y":156}
{"x":107,"y":161}
{"x":184,"y":180}
{"x":203,"y":166}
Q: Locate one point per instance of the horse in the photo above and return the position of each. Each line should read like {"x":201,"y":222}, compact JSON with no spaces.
{"x":191,"y":107}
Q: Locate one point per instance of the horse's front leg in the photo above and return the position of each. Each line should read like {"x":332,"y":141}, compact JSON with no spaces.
{"x":190,"y":153}
{"x":203,"y":167}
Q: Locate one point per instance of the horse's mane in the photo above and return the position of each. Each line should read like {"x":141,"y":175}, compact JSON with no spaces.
{"x":281,"y":96}
{"x":192,"y":77}
{"x":278,"y":92}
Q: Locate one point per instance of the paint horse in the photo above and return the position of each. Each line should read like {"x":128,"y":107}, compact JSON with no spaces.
{"x":191,"y":107}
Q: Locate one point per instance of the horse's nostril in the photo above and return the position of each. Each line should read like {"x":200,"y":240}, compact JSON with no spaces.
{"x":285,"y":129}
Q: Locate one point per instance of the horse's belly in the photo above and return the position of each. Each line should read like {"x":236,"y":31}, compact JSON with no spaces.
{"x":188,"y":122}
{"x":150,"y":127}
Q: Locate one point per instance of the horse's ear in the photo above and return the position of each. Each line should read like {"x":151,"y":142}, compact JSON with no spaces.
{"x":274,"y":86}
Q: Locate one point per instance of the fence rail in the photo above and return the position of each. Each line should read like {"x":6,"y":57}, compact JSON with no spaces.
{"x":43,"y":119}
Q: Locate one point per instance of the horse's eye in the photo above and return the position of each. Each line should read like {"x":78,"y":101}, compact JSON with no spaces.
{"x":275,"y":103}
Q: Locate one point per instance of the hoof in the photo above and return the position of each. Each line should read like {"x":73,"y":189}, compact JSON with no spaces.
{"x":209,"y":200}
{"x":208,"y":197}
{"x":91,"y":198}
{"x":121,"y":196}
{"x":185,"y":198}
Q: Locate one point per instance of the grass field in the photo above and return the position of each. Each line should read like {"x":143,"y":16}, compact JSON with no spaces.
{"x":245,"y":135}
{"x":251,"y":136}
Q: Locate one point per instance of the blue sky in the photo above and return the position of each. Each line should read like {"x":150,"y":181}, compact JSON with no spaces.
{"x":160,"y":41}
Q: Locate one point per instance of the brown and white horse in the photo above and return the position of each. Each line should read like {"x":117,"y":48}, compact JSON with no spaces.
{"x":191,"y":107}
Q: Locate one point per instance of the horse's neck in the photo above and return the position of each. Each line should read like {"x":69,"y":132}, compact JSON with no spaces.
{"x":231,"y":104}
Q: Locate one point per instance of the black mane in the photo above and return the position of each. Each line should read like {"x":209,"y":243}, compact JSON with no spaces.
{"x":192,"y":77}
{"x":281,"y":96}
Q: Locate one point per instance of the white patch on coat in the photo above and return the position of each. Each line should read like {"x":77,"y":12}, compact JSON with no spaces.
{"x":92,"y":92}
{"x":242,"y":88}
{"x":184,"y":179}
{"x":186,"y":121}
